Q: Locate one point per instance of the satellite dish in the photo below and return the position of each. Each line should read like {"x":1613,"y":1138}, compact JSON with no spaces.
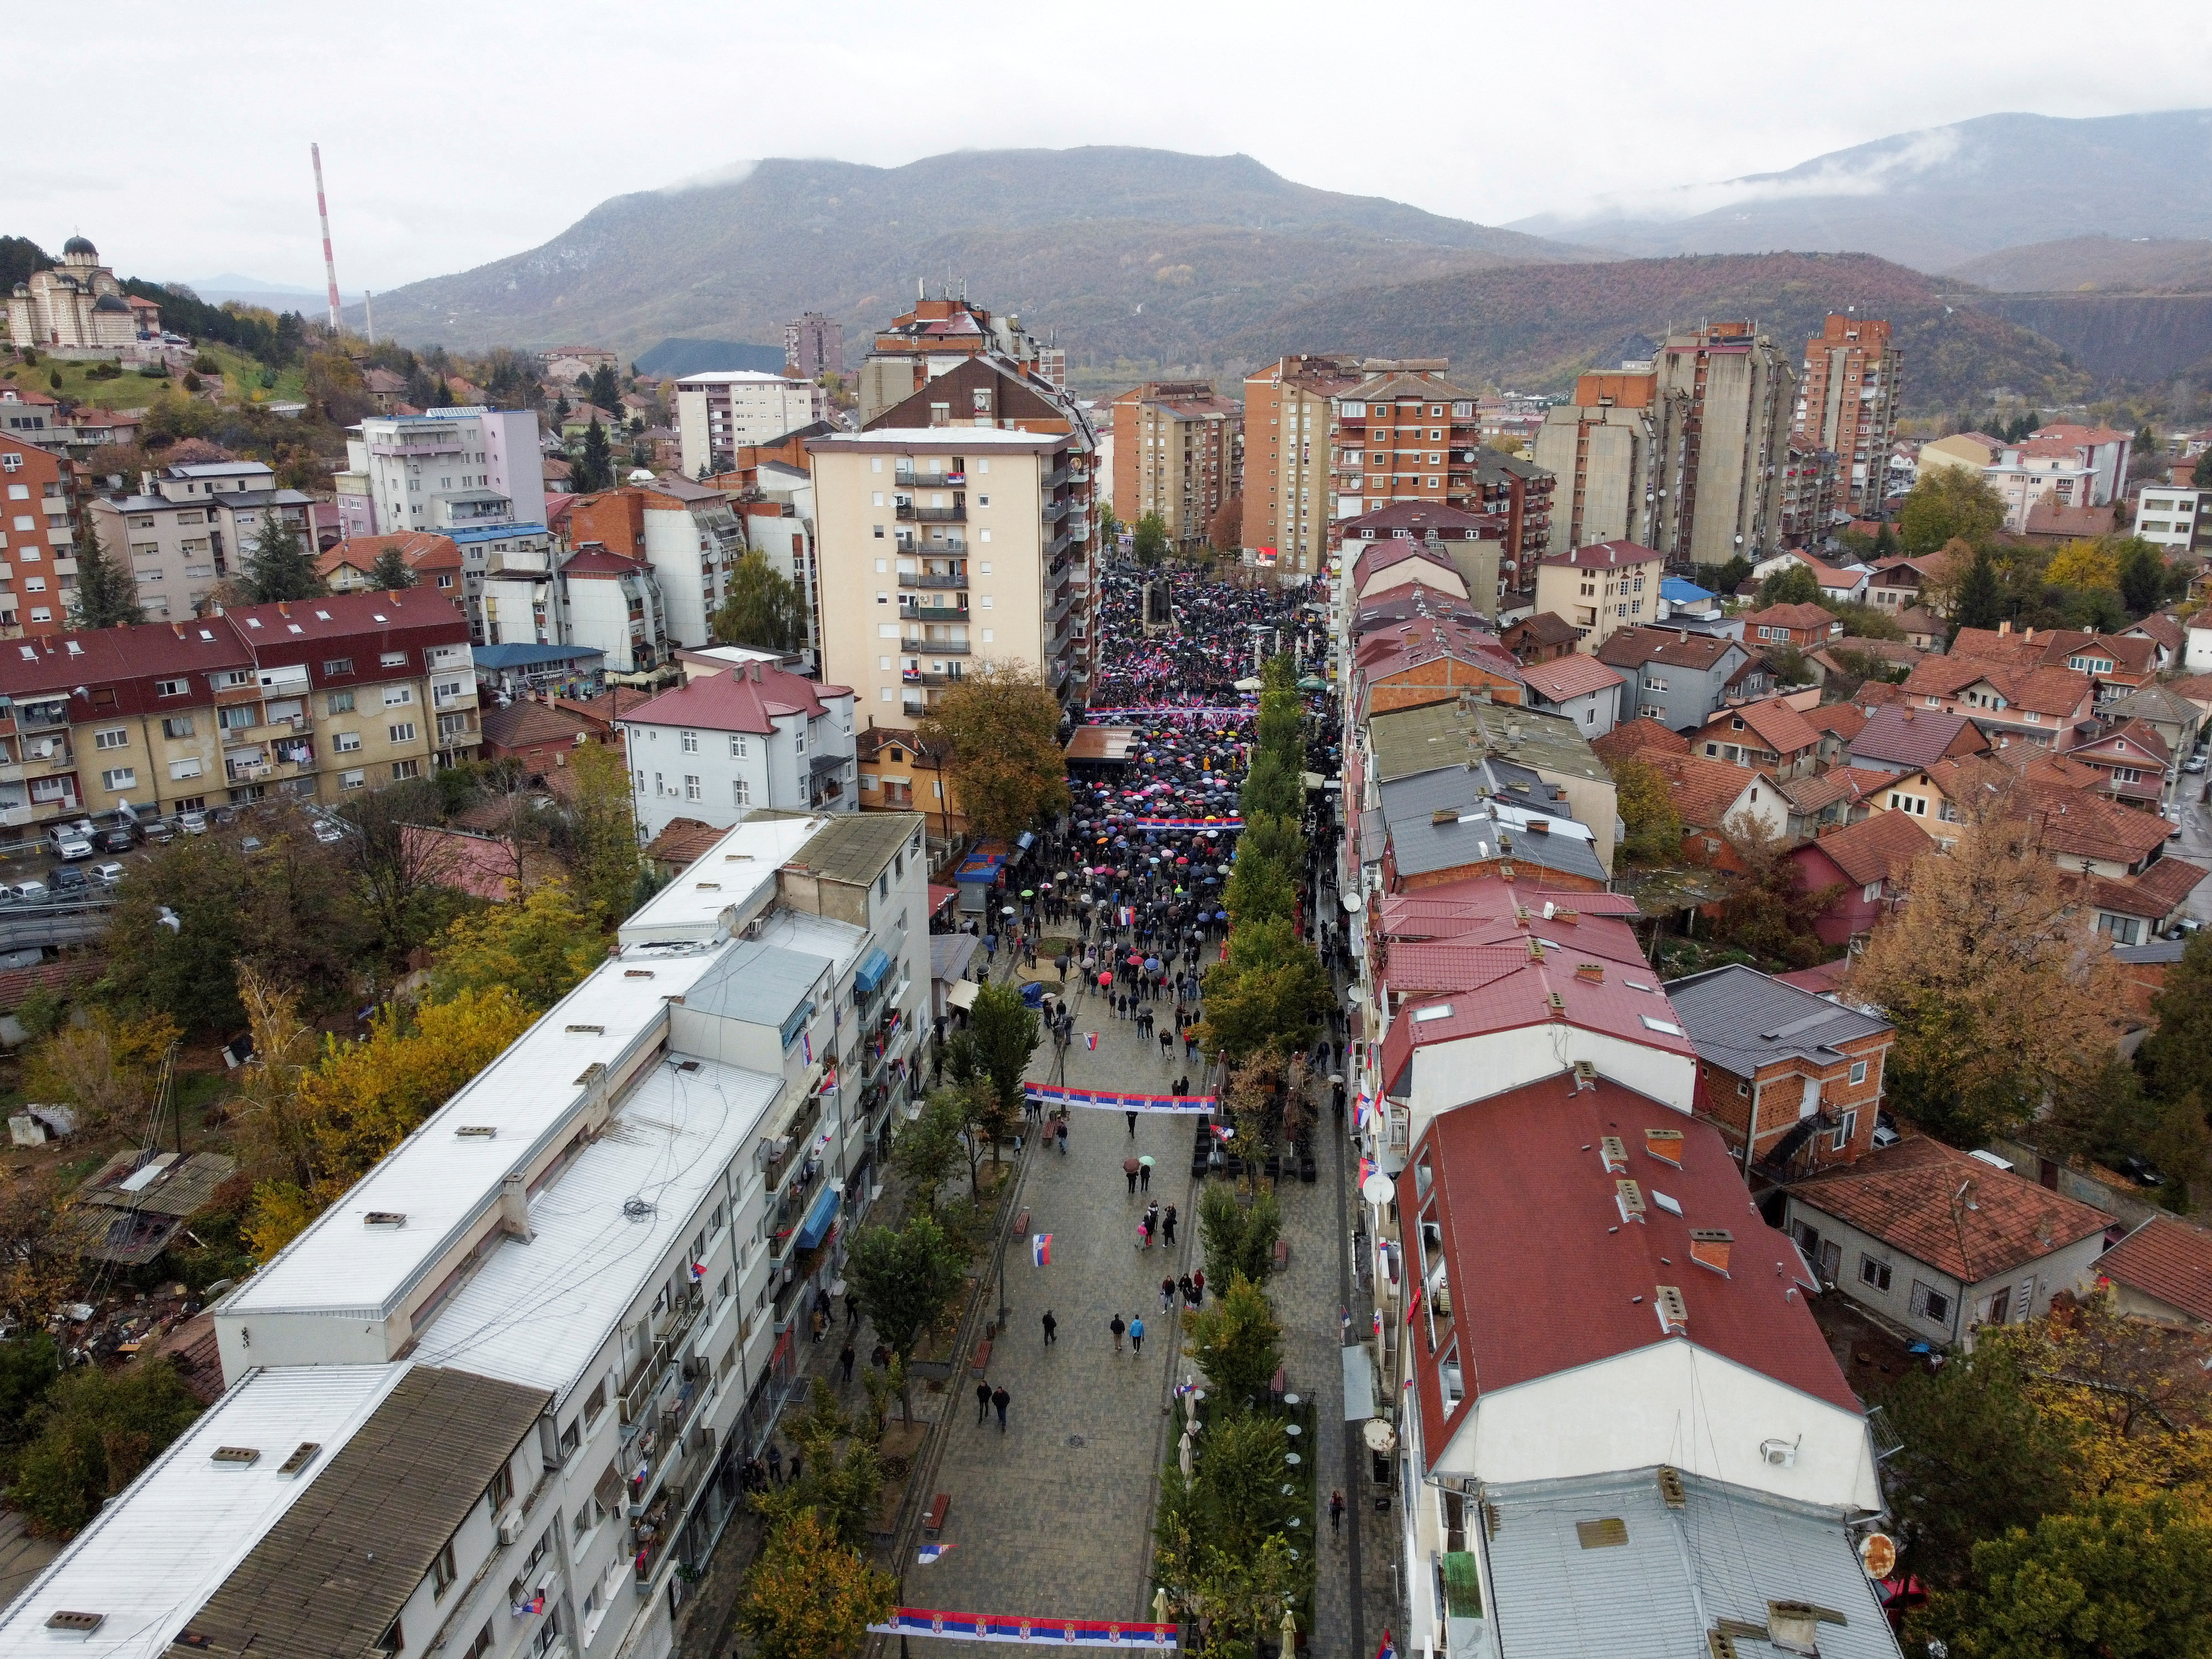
{"x":1378,"y":1189}
{"x":1379,"y":1435}
{"x":1878,"y":1552}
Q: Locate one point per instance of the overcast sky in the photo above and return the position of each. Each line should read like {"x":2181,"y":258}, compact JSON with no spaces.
{"x":453,"y":134}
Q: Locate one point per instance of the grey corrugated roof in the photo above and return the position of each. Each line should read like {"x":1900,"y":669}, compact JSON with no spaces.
{"x":1740,"y":1019}
{"x":1725,"y":1554}
{"x":2158,"y":950}
{"x":1478,"y":833}
{"x":856,"y":847}
{"x":760,"y":984}
{"x":950,"y":955}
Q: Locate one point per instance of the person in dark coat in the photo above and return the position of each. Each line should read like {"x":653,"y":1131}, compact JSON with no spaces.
{"x":982,"y":1401}
{"x":1000,"y":1399}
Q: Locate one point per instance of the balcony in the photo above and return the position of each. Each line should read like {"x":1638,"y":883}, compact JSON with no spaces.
{"x":1054,"y":479}
{"x":957,"y":513}
{"x":418,"y":447}
{"x":934,"y":648}
{"x":1057,"y":545}
{"x":669,"y":1327}
{"x":908,"y":579}
{"x":917,"y":677}
{"x":931,"y":613}
{"x":792,"y":1141}
{"x":907,"y":478}
{"x":42,"y":716}
{"x":1054,"y":511}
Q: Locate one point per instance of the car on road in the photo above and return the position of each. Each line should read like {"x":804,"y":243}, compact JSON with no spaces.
{"x":30,"y":892}
{"x":2194,"y":763}
{"x":117,"y":838}
{"x":70,"y":881}
{"x":193,"y":823}
{"x":107,"y":875}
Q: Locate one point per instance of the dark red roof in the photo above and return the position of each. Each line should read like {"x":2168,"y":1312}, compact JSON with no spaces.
{"x":746,"y":699}
{"x":2168,"y":1259}
{"x":1600,"y":555}
{"x":1620,"y":1001}
{"x":1547,"y":1276}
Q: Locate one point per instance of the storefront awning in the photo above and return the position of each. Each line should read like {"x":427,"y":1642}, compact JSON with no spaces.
{"x":818,"y":1220}
{"x":961,"y":993}
{"x":871,"y":971}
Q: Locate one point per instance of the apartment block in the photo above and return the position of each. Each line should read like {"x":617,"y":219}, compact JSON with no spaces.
{"x":37,"y":546}
{"x":1847,"y":403}
{"x":517,"y":1488}
{"x":1178,"y":449}
{"x":937,"y":337}
{"x":724,"y":744}
{"x":1726,"y":397}
{"x":1600,"y":588}
{"x":315,"y":698}
{"x":1289,"y":407}
{"x":1405,"y":434}
{"x":190,"y":527}
{"x":2174,"y":518}
{"x":450,"y":470}
{"x":720,"y":412}
{"x":1600,"y":446}
{"x":813,"y":345}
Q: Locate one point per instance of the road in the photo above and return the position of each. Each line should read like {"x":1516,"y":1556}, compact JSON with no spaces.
{"x":2195,"y":842}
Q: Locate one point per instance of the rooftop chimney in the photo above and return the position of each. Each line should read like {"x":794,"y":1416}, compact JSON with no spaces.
{"x":1709,"y":1247}
{"x":1665,"y":1145}
{"x":515,"y":1207}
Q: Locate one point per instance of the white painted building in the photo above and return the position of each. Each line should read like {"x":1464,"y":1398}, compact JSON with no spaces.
{"x":560,"y":1314}
{"x":448,"y":469}
{"x":724,"y":744}
{"x":718,"y":411}
{"x":2173,"y":517}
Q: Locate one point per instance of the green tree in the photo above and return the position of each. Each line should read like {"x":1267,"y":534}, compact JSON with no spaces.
{"x":1237,"y":1344}
{"x":2176,"y":1058}
{"x":998,"y":731}
{"x":1866,"y":622}
{"x":89,"y":1438}
{"x":1981,"y":601}
{"x":280,"y":566}
{"x":2201,"y":474}
{"x":1152,"y":538}
{"x":928,"y":1149}
{"x":809,"y":1596}
{"x":2142,"y":576}
{"x":594,"y":469}
{"x":842,"y":1477}
{"x":1269,"y":996}
{"x":1647,"y":807}
{"x":605,"y":390}
{"x":907,"y":1280}
{"x":1793,"y":583}
{"x":763,"y":607}
{"x":1238,"y":1235}
{"x":1005,"y":1035}
{"x":106,"y":594}
{"x":1950,"y":503}
{"x":390,"y":572}
{"x":597,"y":837}
{"x":2120,"y":1579}
{"x":540,"y":946}
{"x":28,"y":1367}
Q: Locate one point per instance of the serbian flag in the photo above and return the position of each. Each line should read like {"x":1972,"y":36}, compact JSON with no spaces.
{"x":1378,"y":1324}
{"x":1389,"y":1648}
{"x":929,"y":1552}
{"x":1222,"y":1130}
{"x":1091,"y":1040}
{"x":535,"y":1605}
{"x":806,"y":1046}
{"x":1041,"y":1249}
{"x":698,"y":1271}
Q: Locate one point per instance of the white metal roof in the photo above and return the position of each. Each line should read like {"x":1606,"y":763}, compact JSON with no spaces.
{"x":816,"y":936}
{"x":737,"y":377}
{"x":439,"y":1181}
{"x":730,"y":874}
{"x":942,"y":437}
{"x":149,"y":1560}
{"x":537,"y":1313}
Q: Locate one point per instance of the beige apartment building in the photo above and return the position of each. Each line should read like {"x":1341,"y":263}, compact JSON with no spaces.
{"x":1600,"y":589}
{"x":1289,"y":406}
{"x":1726,"y":394}
{"x":1178,"y":445}
{"x":1599,"y":446}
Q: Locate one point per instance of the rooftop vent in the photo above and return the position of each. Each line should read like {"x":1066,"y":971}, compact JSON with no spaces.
{"x":477,"y":1132}
{"x":1616,"y":1153}
{"x":1585,"y":1075}
{"x":1556,"y":1002}
{"x":302,"y":1455}
{"x":388,"y":1218}
{"x":710,"y":886}
{"x":235,"y":1457}
{"x":1673,"y":1312}
{"x":1629,"y":1197}
{"x":637,"y":973}
{"x":1709,"y":1247}
{"x":1563,"y":914}
{"x":1535,"y":950}
{"x":1609,"y":1534}
{"x":1665,"y":1145}
{"x":1444,"y":815}
{"x":1670,"y":1488}
{"x":591,"y":1074}
{"x":586,"y":1031}
{"x":75,"y":1624}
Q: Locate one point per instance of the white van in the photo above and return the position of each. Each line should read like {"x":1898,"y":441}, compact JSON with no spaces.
{"x":68,"y":841}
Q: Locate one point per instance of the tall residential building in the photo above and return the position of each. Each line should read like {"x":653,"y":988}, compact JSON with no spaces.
{"x":1177,"y":446}
{"x":1599,"y":446}
{"x":193,"y":526}
{"x":1405,"y":433}
{"x":1519,"y":491}
{"x":944,"y":546}
{"x":813,"y":345}
{"x":937,"y":337}
{"x":689,"y":532}
{"x":720,"y":412}
{"x":1289,"y":508}
{"x":38,"y":547}
{"x":449,"y":469}
{"x":1726,"y":395}
{"x":1847,"y":403}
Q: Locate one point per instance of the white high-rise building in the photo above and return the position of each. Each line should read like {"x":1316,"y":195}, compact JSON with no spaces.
{"x":445,"y":470}
{"x":716,"y":412}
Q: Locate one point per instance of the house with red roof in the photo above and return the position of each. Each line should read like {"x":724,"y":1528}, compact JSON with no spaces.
{"x":1539,"y":638}
{"x":1407,"y":664}
{"x":1715,"y":799}
{"x":1769,"y":735}
{"x":436,"y":559}
{"x":1472,"y":542}
{"x":2161,"y":1271}
{"x":1387,"y":565}
{"x":2132,"y":759}
{"x":1940,"y":1243}
{"x":1900,"y":737}
{"x":720,"y":745}
{"x":1868,"y":865}
{"x":1807,"y":627}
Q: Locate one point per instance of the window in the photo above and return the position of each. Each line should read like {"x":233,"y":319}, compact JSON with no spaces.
{"x":353,"y":780}
{"x":1844,"y":1126}
{"x":741,"y":794}
{"x":394,"y":1640}
{"x":691,"y":790}
{"x":500,"y":1493}
{"x":587,"y":1518}
{"x":337,"y":666}
{"x":237,"y":717}
{"x":443,"y":1571}
{"x":1872,"y":893}
{"x":171,"y":688}
{"x":345,"y":743}
{"x":1858,"y":1073}
{"x":117,"y":779}
{"x":799,"y":738}
{"x":688,"y":741}
{"x":392,"y":659}
{"x":480,"y":1644}
{"x":1873,"y":1272}
{"x":1931,"y":1304}
{"x":738,"y":744}
{"x":177,"y":725}
{"x":338,"y":702}
{"x":403,"y":731}
{"x":596,"y":1403}
{"x":406,"y":769}
{"x":398,"y":697}
{"x":179,"y":770}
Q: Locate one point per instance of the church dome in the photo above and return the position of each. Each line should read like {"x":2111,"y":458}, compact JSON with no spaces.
{"x":80,"y":245}
{"x":109,"y":302}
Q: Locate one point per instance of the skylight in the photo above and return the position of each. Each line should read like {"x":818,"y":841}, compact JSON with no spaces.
{"x":1665,"y":1025}
{"x":1673,"y":1206}
{"x":1442,"y":1011}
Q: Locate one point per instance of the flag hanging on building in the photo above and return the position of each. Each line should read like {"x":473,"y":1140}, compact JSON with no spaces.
{"x":1041,"y":1249}
{"x":1388,"y":1650}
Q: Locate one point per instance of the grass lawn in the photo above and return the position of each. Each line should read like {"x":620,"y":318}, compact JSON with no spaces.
{"x":130,"y":390}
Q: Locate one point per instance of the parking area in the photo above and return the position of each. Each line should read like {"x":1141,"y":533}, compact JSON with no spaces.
{"x":115,"y":845}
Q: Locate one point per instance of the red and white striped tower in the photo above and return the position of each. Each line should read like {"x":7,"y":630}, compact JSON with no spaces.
{"x":330,"y":264}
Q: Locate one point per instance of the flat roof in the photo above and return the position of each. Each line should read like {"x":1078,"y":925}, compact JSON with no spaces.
{"x":733,"y":874}
{"x":739,"y":377}
{"x":151,"y":1558}
{"x":1407,"y":740}
{"x":886,"y":439}
{"x":856,"y":847}
{"x":539,"y":1313}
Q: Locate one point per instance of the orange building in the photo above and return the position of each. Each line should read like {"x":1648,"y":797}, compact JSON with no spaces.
{"x":1847,"y":403}
{"x":1178,"y":447}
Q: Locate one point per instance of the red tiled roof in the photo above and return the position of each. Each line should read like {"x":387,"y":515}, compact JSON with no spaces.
{"x":1775,"y":723}
{"x":1798,"y":617}
{"x":2167,"y":883}
{"x":2129,"y":740}
{"x":1823,"y":981}
{"x":2162,"y":629}
{"x":530,"y":724}
{"x":1631,"y":647}
{"x":2085,"y":825}
{"x":1523,"y":1180}
{"x":1851,"y":783}
{"x":1571,"y":676}
{"x":1908,"y":737}
{"x":1546,"y":628}
{"x":1843,"y":719}
{"x":682,"y":840}
{"x":1704,"y":791}
{"x":1383,"y":555}
{"x":422,"y":550}
{"x":1634,"y":739}
{"x":1600,"y":555}
{"x":746,"y":699}
{"x":598,"y":562}
{"x":1904,"y":1195}
{"x":2167,"y":1258}
{"x":1880,"y":848}
{"x":481,"y":867}
{"x":1520,"y":998}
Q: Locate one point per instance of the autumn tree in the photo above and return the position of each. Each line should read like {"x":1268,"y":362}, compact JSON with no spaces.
{"x":2000,"y":991}
{"x":106,"y":1065}
{"x":841,"y":1476}
{"x":1647,"y":807}
{"x":807,"y":1595}
{"x":539,"y":946}
{"x":89,"y":1438}
{"x":1766,"y":909}
{"x":763,"y":607}
{"x":999,"y":731}
{"x":597,"y":836}
{"x":1225,"y":532}
{"x":2084,"y":563}
{"x":1236,"y":1341}
{"x":1950,"y":503}
{"x":107,"y":593}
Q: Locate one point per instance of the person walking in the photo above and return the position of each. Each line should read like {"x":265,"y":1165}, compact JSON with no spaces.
{"x":1167,"y":1293}
{"x":776,"y":1463}
{"x":1144,"y":1177}
{"x":1114,"y":1325}
{"x":1336,"y":1512}
{"x":1131,"y":1173}
{"x":982,"y":1402}
{"x":1183,"y":1286}
{"x":1152,"y":1217}
{"x":1144,"y":1235}
{"x":1132,"y":1116}
{"x":1137,"y":1336}
{"x":1051,"y":1326}
{"x":845,"y":1362}
{"x":999,"y":1400}
{"x":1059,"y":1133}
{"x":851,"y":1307}
{"x":1167,"y":1226}
{"x":1198,"y":1287}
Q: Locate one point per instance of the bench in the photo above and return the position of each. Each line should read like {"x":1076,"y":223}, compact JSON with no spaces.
{"x":932,"y":1518}
{"x":981,"y":1362}
{"x":1021,"y":1224}
{"x":1282,"y":1254}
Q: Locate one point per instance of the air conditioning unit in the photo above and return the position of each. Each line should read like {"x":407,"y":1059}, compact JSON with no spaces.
{"x":1782,"y":1454}
{"x":510,"y":1526}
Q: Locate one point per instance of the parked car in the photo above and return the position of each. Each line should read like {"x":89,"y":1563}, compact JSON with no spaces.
{"x":66,"y":841}
{"x":193,"y":823}
{"x":223,"y":815}
{"x":1884,"y":1130}
{"x":70,"y":881}
{"x":107,"y":875}
{"x":159,"y":832}
{"x":115,"y":838}
{"x":2194,"y":763}
{"x":30,"y":892}
{"x":249,"y":845}
{"x":2138,"y":1169}
{"x":328,"y":833}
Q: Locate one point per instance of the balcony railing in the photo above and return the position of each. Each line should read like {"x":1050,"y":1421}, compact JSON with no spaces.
{"x":422,"y":447}
{"x":1054,"y":511}
{"x":955,"y":515}
{"x":907,"y":478}
{"x":908,"y":578}
{"x":934,"y":648}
